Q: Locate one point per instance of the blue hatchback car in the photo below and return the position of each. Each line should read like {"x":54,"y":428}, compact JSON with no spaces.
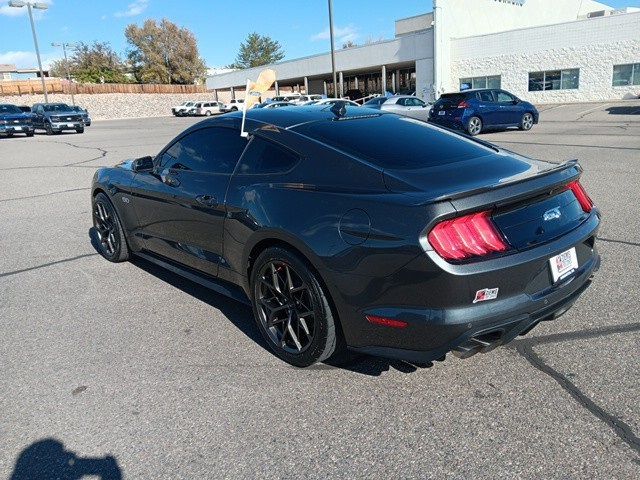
{"x":478,"y":110}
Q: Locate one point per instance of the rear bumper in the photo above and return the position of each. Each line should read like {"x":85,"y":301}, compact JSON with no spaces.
{"x":436,"y":299}
{"x":456,"y":124}
{"x":469,"y":333}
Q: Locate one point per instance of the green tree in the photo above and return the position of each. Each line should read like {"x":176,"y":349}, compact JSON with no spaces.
{"x":258,"y":50}
{"x":164,"y":53}
{"x":91,"y":63}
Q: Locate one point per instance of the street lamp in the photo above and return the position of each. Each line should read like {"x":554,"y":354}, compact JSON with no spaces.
{"x":66,"y":65}
{"x":333,"y":50}
{"x":30,"y":6}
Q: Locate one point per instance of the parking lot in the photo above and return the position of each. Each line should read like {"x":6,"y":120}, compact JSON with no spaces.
{"x":142,"y":373}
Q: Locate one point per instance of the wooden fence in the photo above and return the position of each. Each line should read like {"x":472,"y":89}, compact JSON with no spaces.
{"x":56,"y":85}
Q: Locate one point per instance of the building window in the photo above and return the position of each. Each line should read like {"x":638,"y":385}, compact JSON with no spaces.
{"x":492,"y":81}
{"x":554,"y":80}
{"x":628,"y":74}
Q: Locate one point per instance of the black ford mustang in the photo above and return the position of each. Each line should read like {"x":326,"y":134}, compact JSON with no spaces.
{"x":348,"y":227}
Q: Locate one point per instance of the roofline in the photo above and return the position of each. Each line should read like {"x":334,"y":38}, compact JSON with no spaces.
{"x":618,"y":15}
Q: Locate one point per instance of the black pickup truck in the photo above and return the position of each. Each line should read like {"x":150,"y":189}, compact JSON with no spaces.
{"x":56,"y":117}
{"x":13,"y":120}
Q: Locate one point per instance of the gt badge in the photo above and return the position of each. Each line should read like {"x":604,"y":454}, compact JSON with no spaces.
{"x":486,"y":294}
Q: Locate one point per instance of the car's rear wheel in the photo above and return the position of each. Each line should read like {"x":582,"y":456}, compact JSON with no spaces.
{"x":29,"y":134}
{"x":292,"y":309}
{"x":234,"y":109}
{"x":112,"y":244}
{"x":527,"y":122}
{"x":474,"y":126}
{"x":207,"y":113}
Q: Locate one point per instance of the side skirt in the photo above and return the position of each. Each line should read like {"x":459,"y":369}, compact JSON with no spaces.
{"x":218,"y":286}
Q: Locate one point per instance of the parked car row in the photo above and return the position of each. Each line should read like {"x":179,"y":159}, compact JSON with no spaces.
{"x":50,"y":117}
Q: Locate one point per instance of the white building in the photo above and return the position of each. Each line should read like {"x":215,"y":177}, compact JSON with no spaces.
{"x":541,"y":50}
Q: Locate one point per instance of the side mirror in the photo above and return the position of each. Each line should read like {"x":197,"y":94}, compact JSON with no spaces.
{"x":516,"y":101}
{"x":142,"y":164}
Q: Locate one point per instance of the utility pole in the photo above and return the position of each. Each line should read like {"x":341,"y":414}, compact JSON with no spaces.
{"x":66,"y":65}
{"x":333,"y":50}
{"x":39,"y":6}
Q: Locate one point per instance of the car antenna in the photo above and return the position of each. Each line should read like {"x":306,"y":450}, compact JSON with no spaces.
{"x":339,"y":108}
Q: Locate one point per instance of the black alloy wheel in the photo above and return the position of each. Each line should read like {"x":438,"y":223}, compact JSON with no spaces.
{"x":48,"y":129}
{"x":112,"y":244}
{"x":291,"y":309}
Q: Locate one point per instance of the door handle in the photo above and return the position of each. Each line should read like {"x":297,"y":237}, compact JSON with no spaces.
{"x":207,"y":200}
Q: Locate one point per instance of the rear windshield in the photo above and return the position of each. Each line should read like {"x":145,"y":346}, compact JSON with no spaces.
{"x":453,"y":97}
{"x":394,"y":142}
{"x":9,"y":109}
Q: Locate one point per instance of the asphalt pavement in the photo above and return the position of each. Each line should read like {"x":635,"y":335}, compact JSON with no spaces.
{"x":125,"y":369}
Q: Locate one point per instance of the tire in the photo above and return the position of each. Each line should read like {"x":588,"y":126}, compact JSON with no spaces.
{"x":9,"y":135}
{"x":207,"y":113}
{"x":295,"y":319}
{"x":527,"y":122}
{"x":80,"y":130}
{"x":112,"y":243}
{"x":29,"y":134}
{"x":474,"y":126}
{"x":233,"y":109}
{"x":47,"y":128}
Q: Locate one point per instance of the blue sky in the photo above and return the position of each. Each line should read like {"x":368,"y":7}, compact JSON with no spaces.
{"x":301,"y":26}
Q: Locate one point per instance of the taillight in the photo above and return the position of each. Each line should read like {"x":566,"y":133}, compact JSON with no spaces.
{"x":463,"y":104}
{"x":473,"y":235}
{"x":581,"y":195}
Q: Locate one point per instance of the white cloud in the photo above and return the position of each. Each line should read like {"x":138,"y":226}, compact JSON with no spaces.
{"x":341,"y":34}
{"x":25,"y":59}
{"x":8,"y":11}
{"x":133,"y":9}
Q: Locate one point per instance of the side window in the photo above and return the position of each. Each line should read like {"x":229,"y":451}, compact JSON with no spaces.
{"x":415,"y":102}
{"x":485,"y":96}
{"x":263,"y":156}
{"x":504,"y":97}
{"x":402,"y":101}
{"x":208,"y":150}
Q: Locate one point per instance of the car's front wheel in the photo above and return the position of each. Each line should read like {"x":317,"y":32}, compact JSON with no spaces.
{"x":474,"y":126}
{"x":207,"y":113}
{"x":80,"y":130}
{"x":292,"y":309}
{"x":527,"y":122}
{"x":112,"y":244}
{"x":48,"y":129}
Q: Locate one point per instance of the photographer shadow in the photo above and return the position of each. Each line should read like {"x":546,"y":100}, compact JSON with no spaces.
{"x":47,"y":459}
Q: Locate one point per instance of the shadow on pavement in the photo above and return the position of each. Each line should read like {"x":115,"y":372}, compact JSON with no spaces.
{"x":241,"y":315}
{"x":624,"y":110}
{"x":47,"y":459}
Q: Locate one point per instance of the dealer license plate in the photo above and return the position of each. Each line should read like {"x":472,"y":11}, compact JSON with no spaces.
{"x":70,"y":125}
{"x":563,"y":264}
{"x":441,"y":112}
{"x":17,"y":129}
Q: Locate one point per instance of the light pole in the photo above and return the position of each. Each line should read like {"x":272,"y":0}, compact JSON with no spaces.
{"x":66,"y":66}
{"x":333,"y":50}
{"x":38,"y":6}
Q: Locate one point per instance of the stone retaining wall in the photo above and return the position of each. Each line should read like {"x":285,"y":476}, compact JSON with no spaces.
{"x":121,"y":105}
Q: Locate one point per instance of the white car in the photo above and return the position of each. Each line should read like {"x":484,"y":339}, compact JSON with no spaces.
{"x":405,"y":105}
{"x":206,"y":109}
{"x":234,"y":105}
{"x":181,"y":109}
{"x":331,"y":101}
{"x":302,"y":99}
